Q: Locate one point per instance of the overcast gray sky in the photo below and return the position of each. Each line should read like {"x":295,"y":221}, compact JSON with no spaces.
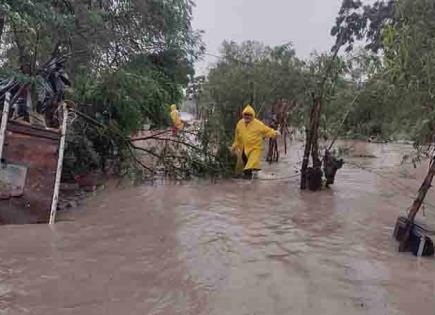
{"x":306,"y":23}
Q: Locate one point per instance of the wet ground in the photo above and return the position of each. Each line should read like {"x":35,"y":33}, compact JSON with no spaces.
{"x":232,"y":247}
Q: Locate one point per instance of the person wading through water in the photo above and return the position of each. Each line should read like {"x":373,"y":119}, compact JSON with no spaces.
{"x":248,"y":141}
{"x":177,"y":124}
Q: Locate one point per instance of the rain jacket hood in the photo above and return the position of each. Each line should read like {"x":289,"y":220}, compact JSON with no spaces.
{"x":173,"y":107}
{"x":249,"y":110}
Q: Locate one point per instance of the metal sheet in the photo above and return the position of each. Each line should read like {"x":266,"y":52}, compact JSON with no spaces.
{"x":14,"y":177}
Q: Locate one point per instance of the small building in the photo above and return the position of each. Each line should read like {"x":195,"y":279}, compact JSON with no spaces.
{"x":34,"y":150}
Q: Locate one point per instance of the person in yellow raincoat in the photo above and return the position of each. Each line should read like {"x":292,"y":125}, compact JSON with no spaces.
{"x":248,"y":140}
{"x":177,"y":124}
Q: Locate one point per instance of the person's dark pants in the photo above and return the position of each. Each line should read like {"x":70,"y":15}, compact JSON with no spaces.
{"x":247,"y":173}
{"x":22,"y":111}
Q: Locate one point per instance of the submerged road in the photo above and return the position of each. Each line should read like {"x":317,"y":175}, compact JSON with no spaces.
{"x":232,"y":247}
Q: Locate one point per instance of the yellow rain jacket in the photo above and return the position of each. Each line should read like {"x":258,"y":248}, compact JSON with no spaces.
{"x":175,"y":117}
{"x":249,"y":139}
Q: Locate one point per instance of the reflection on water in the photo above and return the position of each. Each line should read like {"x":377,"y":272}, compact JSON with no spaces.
{"x":234,"y":247}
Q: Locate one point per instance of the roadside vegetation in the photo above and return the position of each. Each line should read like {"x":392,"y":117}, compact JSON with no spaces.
{"x":129,"y":60}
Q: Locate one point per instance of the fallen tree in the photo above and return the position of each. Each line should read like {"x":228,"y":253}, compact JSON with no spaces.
{"x":405,"y":236}
{"x":160,"y":153}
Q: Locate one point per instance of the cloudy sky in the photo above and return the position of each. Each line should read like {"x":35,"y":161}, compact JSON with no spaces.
{"x":305,"y":23}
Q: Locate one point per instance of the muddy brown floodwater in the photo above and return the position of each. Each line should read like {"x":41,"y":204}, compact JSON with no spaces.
{"x":232,"y":247}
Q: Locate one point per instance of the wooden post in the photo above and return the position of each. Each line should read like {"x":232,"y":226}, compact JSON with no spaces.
{"x":284,"y":125}
{"x":4,"y":122}
{"x":422,"y":192}
{"x":59,"y":166}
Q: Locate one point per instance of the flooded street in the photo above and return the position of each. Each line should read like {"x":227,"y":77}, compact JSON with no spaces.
{"x":233,"y":247}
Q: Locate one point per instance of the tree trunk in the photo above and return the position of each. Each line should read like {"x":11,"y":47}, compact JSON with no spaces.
{"x":317,"y":164}
{"x":305,"y":160}
{"x":314,"y":125}
{"x":427,"y":184}
{"x":2,"y":24}
{"x":196,"y":98}
{"x":308,"y":146}
{"x":24,"y":56}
